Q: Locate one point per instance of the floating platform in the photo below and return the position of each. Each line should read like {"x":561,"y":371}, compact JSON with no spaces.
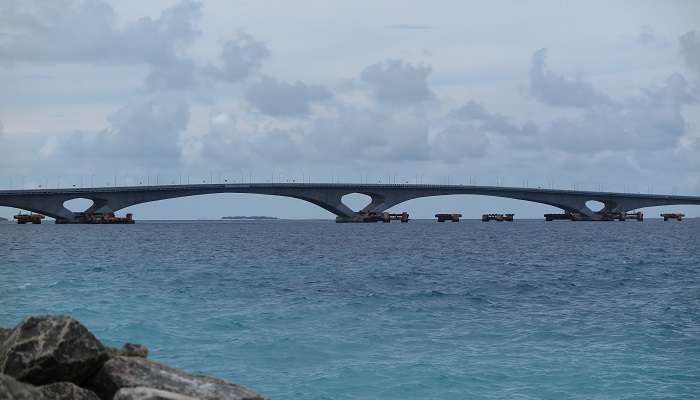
{"x":97,"y":218}
{"x":606,"y":216}
{"x":454,"y":217}
{"x":676,"y":216}
{"x":378,"y":217}
{"x":569,"y":216}
{"x":29,"y":218}
{"x":497,"y":217}
{"x":388,"y":217}
{"x":621,"y":216}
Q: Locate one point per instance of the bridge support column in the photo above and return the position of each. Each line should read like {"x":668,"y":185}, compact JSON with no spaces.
{"x":51,"y":206}
{"x":578,"y":206}
{"x":100,"y":206}
{"x":333,"y":202}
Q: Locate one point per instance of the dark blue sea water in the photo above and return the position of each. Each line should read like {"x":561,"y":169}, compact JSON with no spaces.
{"x":318,"y":310}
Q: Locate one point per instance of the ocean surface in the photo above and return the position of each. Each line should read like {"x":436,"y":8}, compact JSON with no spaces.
{"x":318,"y":310}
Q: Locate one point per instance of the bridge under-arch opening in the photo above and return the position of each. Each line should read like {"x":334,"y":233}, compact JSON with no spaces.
{"x":356,"y":201}
{"x":595,"y":205}
{"x":471,"y":206}
{"x":214,"y":206}
{"x":78,"y":204}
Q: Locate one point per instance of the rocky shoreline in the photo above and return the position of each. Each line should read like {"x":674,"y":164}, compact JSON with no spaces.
{"x":57,"y":358}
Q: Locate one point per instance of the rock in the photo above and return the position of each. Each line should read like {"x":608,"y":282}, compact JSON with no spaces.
{"x":66,"y":391}
{"x":12,"y":389}
{"x":135,"y":350}
{"x":47,"y":349}
{"x":130,"y":372}
{"x":143,"y":393}
{"x":4,"y":334}
{"x":113,"y":351}
{"x":129,"y":350}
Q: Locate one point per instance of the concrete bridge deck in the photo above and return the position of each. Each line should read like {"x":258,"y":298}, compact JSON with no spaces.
{"x":329,"y":196}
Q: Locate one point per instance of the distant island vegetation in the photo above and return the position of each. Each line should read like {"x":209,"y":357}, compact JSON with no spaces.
{"x":256,"y":217}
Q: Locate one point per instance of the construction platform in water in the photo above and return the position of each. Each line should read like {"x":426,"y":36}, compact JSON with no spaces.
{"x":379,"y":217}
{"x":98,"y":219}
{"x":605,"y":216}
{"x":29,"y":218}
{"x":497,"y":217}
{"x":454,"y":217}
{"x":676,"y":216}
{"x":81,"y":218}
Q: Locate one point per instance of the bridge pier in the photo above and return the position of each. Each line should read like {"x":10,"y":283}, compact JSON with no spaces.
{"x":51,"y":206}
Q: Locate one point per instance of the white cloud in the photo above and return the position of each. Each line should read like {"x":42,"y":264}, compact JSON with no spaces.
{"x":277,"y":98}
{"x":177,"y":75}
{"x":690,"y":51}
{"x":240,"y":57}
{"x":50,"y":147}
{"x":145,"y":132}
{"x":485,"y":121}
{"x":364,"y":134}
{"x":652,"y":121}
{"x":87,"y":31}
{"x":459,"y":141}
{"x":559,"y":91}
{"x":397,"y":82}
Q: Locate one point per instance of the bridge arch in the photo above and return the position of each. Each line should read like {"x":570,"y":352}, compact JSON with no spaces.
{"x":216,"y":205}
{"x":470,"y":206}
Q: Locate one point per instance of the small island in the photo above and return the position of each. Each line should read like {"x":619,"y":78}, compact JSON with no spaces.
{"x":252,"y":217}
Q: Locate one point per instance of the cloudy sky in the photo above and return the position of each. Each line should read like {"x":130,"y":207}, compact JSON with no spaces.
{"x":591,"y":95}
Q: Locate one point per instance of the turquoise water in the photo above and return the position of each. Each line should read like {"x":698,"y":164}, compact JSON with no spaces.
{"x":318,"y":310}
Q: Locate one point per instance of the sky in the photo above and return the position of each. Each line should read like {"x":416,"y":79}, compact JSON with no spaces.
{"x":587,"y":95}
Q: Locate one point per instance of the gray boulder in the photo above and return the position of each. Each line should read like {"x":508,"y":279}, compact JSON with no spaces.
{"x":66,"y":391}
{"x":135,"y":350}
{"x":130,"y":372}
{"x":12,"y":389}
{"x":129,"y":350}
{"x":47,"y":349}
{"x":143,"y":393}
{"x":4,"y":334}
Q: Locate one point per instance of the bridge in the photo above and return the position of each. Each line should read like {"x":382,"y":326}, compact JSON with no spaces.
{"x":329,"y":196}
